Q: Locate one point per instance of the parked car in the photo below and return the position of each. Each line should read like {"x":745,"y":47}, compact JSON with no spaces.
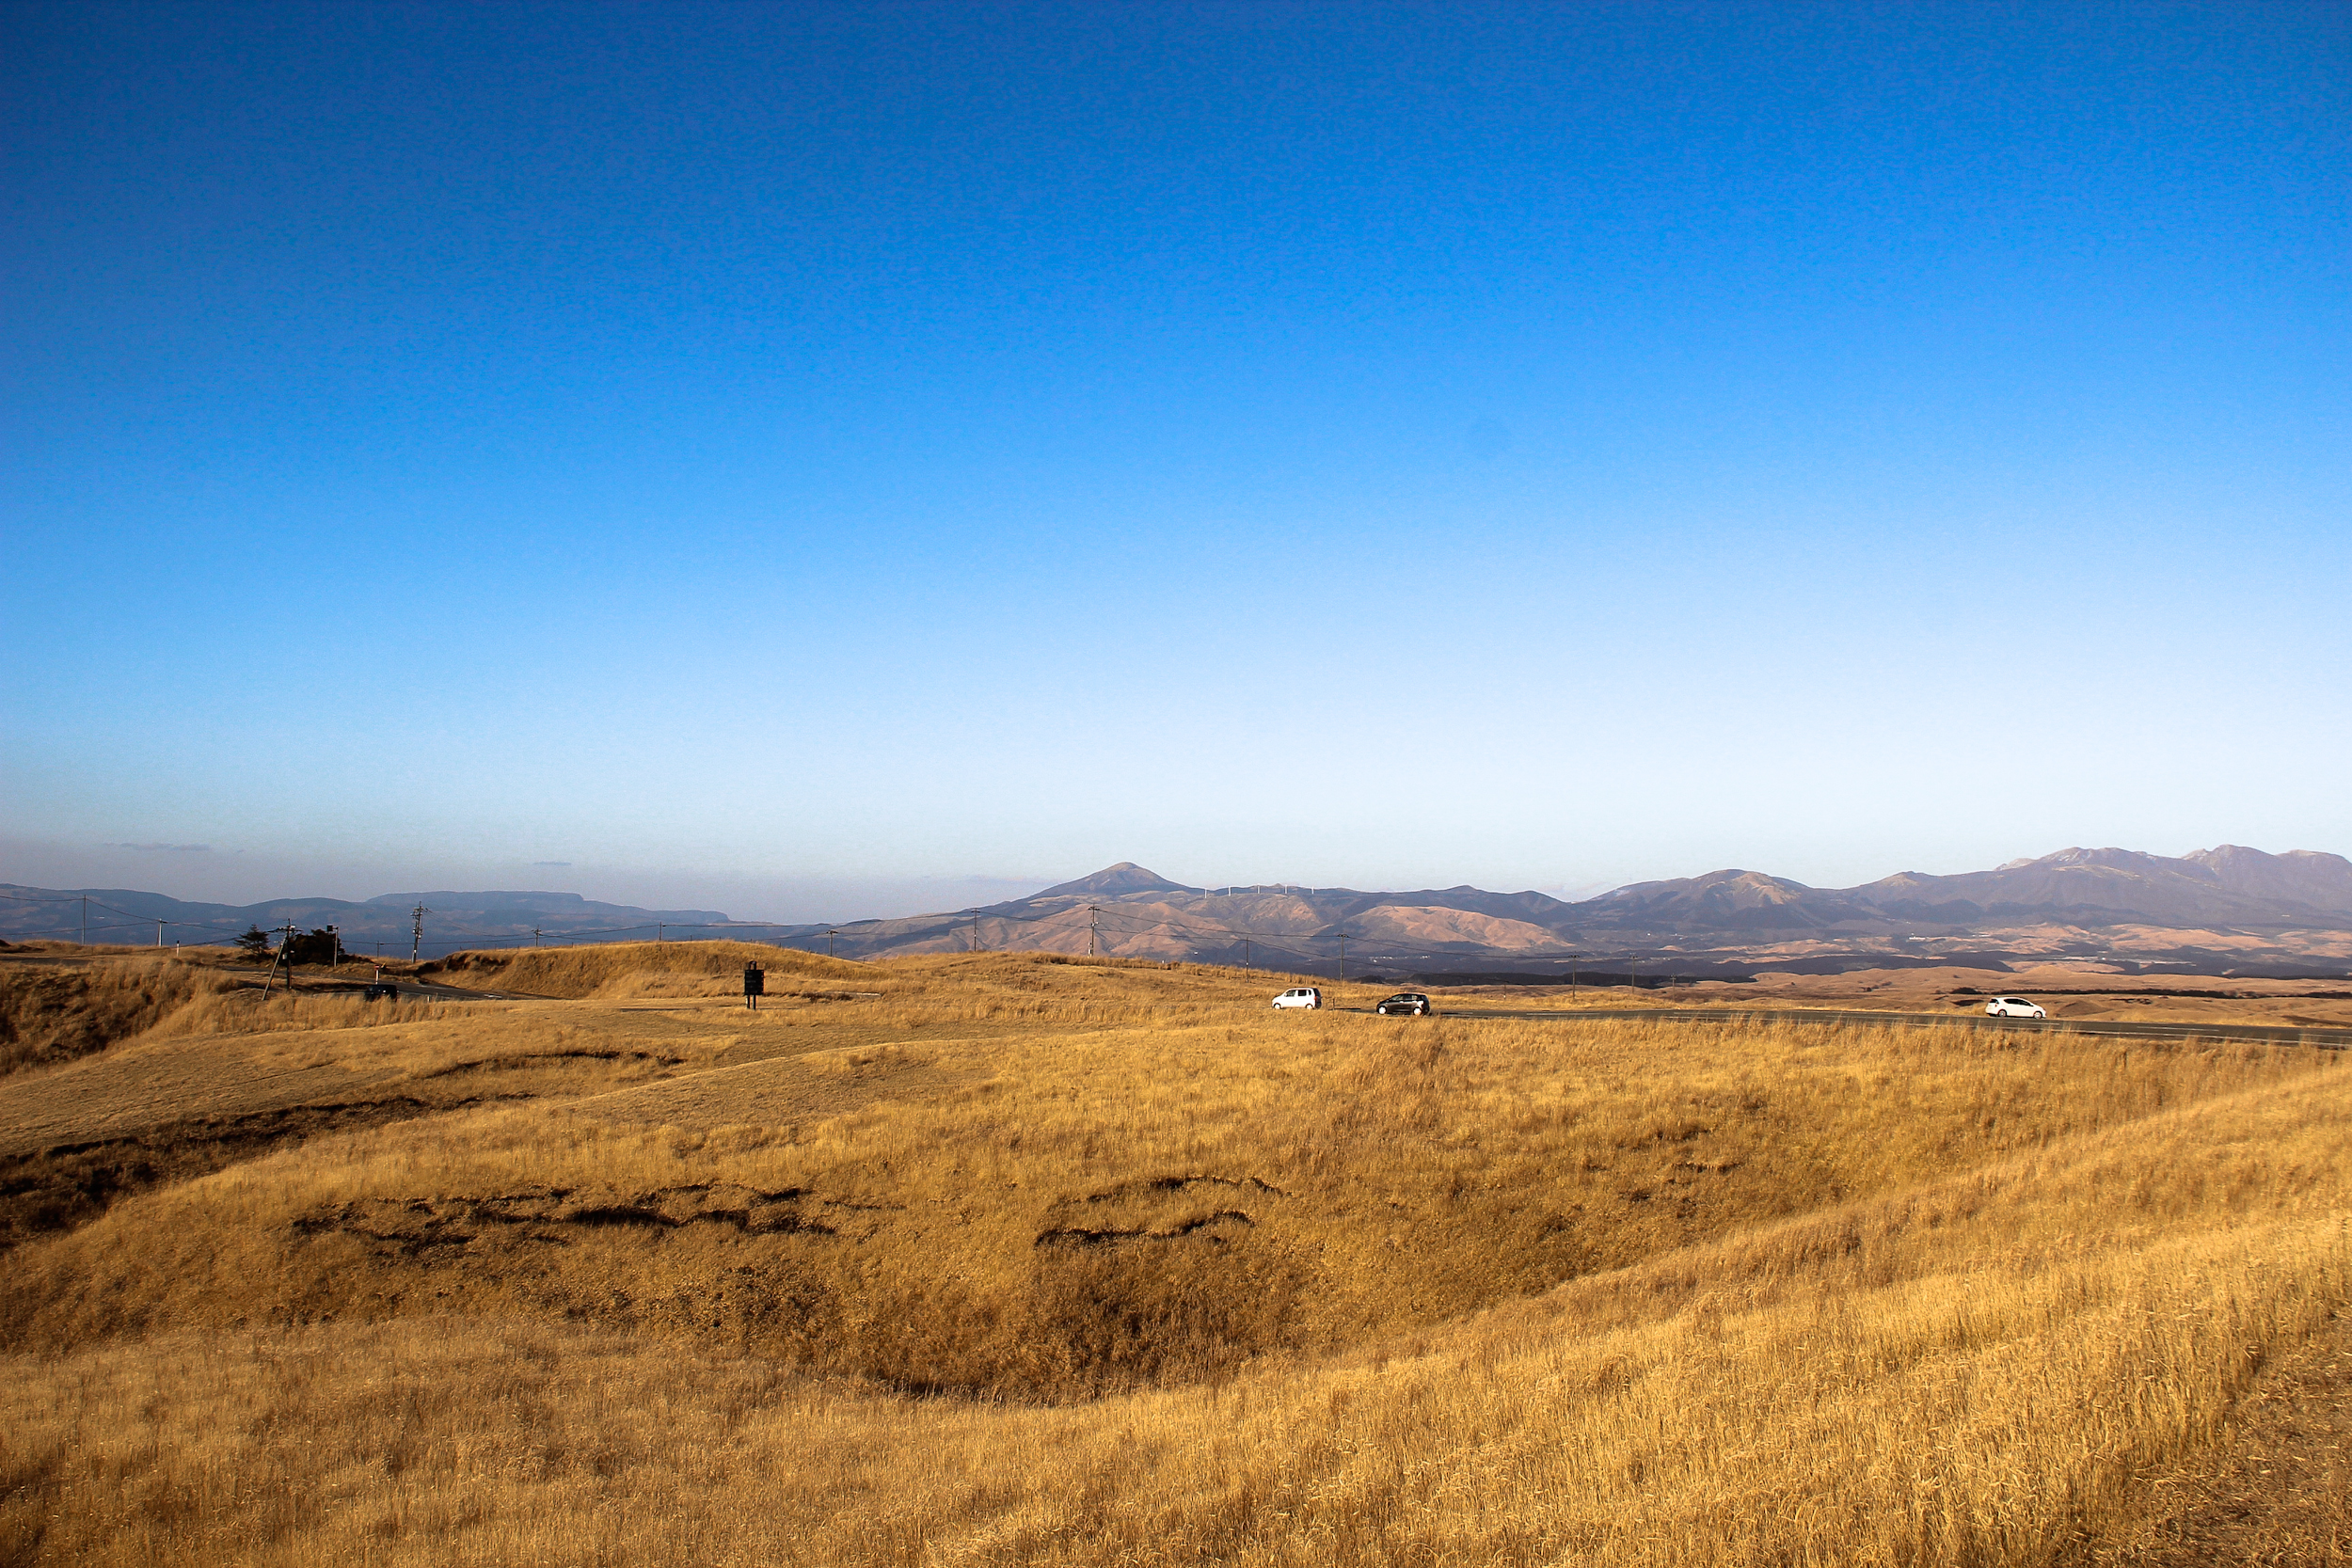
{"x":1406,"y":1001}
{"x":2014,"y":1006}
{"x":1299,"y":996}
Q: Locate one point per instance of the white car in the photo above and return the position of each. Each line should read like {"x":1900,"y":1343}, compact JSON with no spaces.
{"x":1299,"y":996}
{"x":2014,"y":1006}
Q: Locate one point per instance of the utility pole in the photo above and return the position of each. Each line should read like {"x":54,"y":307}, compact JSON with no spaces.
{"x":1245,"y":953}
{"x":1091,"y":915}
{"x":416,"y":932}
{"x":1343,"y":958}
{"x":537,"y":941}
{"x":658,"y":928}
{"x":830,"y":934}
{"x":285,"y":951}
{"x":159,"y":933}
{"x":85,"y":920}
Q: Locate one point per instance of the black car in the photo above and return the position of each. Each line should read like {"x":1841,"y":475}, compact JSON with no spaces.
{"x":1406,"y":1002}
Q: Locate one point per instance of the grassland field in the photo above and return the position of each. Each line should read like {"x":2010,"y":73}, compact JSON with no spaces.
{"x":1002,"y":1258}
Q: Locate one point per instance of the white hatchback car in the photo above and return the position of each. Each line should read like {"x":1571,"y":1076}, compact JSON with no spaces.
{"x":1299,"y":996}
{"x":2014,"y":1006}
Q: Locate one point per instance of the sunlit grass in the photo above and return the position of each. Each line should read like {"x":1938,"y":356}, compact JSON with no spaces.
{"x":1145,"y":1274}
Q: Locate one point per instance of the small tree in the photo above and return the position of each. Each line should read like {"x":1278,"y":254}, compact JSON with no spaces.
{"x":254,"y":944}
{"x":316,"y":946}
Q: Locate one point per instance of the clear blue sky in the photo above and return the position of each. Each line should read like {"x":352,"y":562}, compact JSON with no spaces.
{"x":813,"y":460}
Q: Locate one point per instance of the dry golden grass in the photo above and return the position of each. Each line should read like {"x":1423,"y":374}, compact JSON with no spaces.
{"x":54,"y":1013}
{"x":1107,"y":1264}
{"x":58,"y":1011}
{"x":636,"y":969}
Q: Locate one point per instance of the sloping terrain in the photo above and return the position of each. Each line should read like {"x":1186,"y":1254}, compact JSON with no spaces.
{"x":2227,"y":907}
{"x":2227,"y":884}
{"x":2230,"y":906}
{"x":1719,"y":901}
{"x":54,"y":1010}
{"x":1434,"y":930}
{"x":1020,"y":1258}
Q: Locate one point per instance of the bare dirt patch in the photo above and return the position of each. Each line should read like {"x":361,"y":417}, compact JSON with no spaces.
{"x":406,"y":1227}
{"x":1159,"y":1209}
{"x":69,"y":1186}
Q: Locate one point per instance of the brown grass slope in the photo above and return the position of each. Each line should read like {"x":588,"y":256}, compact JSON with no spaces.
{"x":231,"y":1073}
{"x":51,"y":1013}
{"x":1226,"y":1286}
{"x":57,"y":1007}
{"x":640,"y":969}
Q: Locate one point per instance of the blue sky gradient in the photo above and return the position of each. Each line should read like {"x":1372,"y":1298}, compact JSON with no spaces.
{"x":823,"y":461}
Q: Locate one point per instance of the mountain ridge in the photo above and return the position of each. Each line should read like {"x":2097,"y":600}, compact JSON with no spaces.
{"x":130,"y":915}
{"x":2228,"y":903}
{"x":2078,"y":902}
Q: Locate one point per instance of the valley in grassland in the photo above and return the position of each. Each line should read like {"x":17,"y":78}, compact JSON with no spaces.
{"x":1017,"y":1258}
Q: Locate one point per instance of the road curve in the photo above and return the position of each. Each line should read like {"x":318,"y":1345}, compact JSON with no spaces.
{"x":2265,"y":1034}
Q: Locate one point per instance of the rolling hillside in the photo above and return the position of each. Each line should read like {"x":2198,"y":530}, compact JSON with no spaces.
{"x":1020,"y":1261}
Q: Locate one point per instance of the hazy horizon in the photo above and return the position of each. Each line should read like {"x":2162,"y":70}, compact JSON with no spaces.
{"x":807,"y":903}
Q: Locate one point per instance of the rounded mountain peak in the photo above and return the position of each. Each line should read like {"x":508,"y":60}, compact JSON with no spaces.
{"x":1126,"y":876}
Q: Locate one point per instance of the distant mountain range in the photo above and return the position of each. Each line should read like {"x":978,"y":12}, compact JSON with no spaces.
{"x":2229,"y":905}
{"x":2077,"y":886}
{"x":2229,"y":908}
{"x":455,"y":920}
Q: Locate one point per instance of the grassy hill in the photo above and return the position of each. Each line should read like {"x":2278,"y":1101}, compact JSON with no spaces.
{"x":1008,"y":1258}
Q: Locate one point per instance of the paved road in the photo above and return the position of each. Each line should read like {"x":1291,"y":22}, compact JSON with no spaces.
{"x":2327,"y":1039}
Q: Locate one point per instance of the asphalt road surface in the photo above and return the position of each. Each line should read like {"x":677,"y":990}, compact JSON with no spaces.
{"x":2269,"y":1033}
